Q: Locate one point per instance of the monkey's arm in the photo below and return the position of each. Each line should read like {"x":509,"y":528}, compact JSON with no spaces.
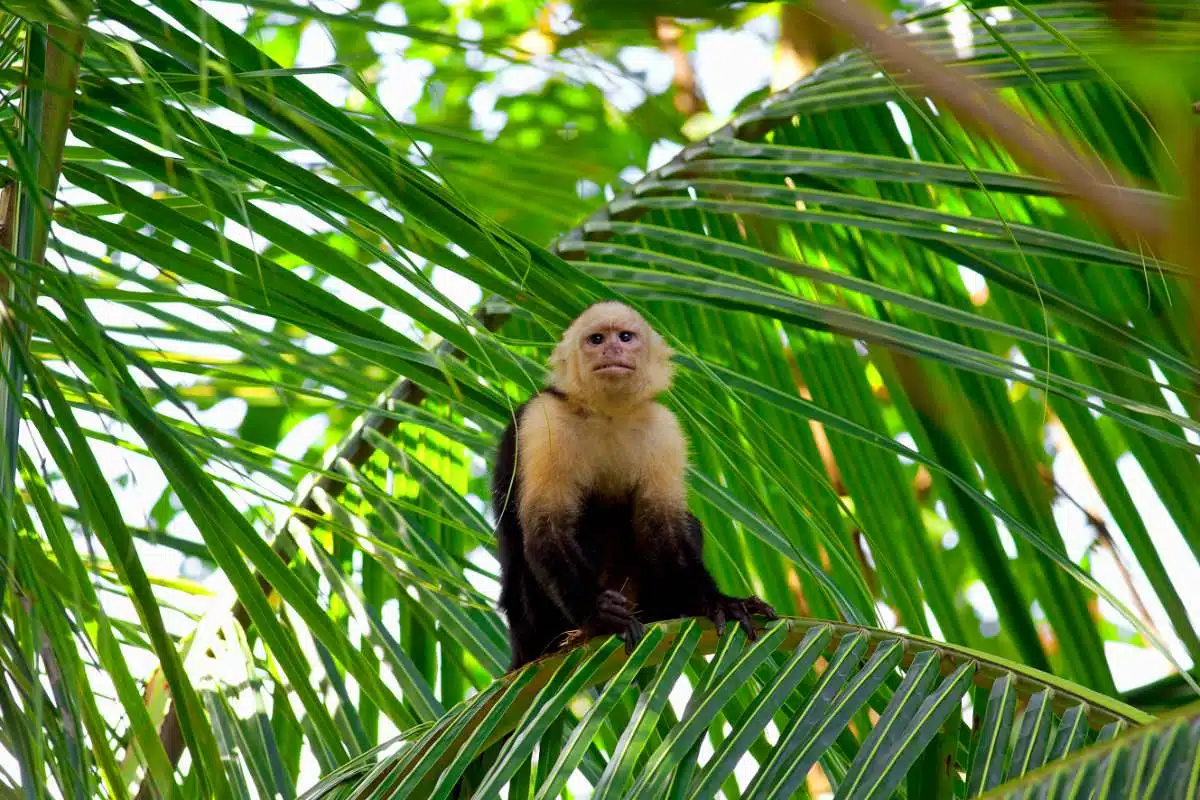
{"x":725,"y":606}
{"x":670,"y":540}
{"x":670,"y":545}
{"x":557,"y":560}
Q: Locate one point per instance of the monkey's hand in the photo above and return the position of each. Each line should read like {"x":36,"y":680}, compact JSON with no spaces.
{"x":614,"y":614}
{"x":739,"y":609}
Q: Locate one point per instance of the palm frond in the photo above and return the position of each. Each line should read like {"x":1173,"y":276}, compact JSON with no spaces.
{"x":1161,"y":759}
{"x":220,"y":232}
{"x":876,"y":711}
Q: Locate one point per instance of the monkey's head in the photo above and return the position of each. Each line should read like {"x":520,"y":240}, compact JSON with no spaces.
{"x":611,"y":356}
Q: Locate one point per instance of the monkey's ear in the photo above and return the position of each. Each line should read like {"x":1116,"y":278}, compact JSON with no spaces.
{"x":559,"y":355}
{"x":661,"y":370}
{"x":560,"y":360}
{"x":662,"y":350}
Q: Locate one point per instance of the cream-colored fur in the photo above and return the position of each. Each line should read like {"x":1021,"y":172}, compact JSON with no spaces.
{"x":615,"y":442}
{"x":565,"y":455}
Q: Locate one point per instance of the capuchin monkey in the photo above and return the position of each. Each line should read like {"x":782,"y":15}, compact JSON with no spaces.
{"x":595,"y":535}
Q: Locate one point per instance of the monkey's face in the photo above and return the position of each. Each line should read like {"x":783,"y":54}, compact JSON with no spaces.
{"x":611,"y":351}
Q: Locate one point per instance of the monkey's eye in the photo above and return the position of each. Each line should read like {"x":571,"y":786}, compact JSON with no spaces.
{"x":625,"y":336}
{"x":596,"y":338}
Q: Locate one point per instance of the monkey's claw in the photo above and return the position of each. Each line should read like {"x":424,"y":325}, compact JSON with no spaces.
{"x":759,"y":608}
{"x":614,"y":614}
{"x":632,"y":635}
{"x":740,"y":610}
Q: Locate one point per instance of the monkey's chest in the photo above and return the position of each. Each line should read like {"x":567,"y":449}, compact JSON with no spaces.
{"x":614,"y":459}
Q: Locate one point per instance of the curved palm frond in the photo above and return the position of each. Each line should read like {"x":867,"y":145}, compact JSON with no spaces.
{"x":1161,"y":759}
{"x":224,"y":233}
{"x":691,"y":715}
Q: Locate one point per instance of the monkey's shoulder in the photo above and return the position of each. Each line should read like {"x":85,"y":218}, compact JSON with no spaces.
{"x":550,"y":414}
{"x":610,"y":454}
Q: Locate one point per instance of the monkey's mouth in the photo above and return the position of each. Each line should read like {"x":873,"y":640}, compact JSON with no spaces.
{"x":613,"y":369}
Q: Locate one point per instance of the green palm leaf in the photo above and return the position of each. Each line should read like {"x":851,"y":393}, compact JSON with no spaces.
{"x":915,"y":686}
{"x":1161,"y":759}
{"x":218,"y":231}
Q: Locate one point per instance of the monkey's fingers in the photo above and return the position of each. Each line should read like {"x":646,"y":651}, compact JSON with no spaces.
{"x":633,"y":634}
{"x":737,"y":609}
{"x":610,"y":623}
{"x":760,"y":608}
{"x":613,"y":596}
{"x":718,"y":618}
{"x":613,"y":604}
